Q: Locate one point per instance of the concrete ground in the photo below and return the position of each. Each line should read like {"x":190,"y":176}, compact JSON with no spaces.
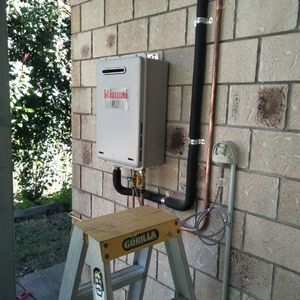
{"x":42,"y":285}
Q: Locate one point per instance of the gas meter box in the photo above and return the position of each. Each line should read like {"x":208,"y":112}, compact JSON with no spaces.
{"x":131,"y":110}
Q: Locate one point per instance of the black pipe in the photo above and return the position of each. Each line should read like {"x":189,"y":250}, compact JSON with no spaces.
{"x":194,"y":133}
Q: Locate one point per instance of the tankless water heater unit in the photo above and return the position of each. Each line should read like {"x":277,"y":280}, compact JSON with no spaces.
{"x":131,"y":110}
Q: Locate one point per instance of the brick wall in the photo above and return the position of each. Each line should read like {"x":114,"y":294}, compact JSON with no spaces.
{"x":258,"y":109}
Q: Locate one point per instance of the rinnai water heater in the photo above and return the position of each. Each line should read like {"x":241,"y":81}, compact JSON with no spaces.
{"x":131,"y":110}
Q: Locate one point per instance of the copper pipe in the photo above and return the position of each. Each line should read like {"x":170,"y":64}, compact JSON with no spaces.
{"x":215,"y":67}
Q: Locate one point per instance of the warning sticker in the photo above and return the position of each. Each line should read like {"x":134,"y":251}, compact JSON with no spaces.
{"x":115,"y":98}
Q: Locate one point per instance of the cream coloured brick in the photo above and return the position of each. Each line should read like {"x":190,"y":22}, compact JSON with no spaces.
{"x":81,"y":45}
{"x":81,"y":152}
{"x":76,"y":2}
{"x":88,"y":127}
{"x":280,"y":58}
{"x":256,"y":193}
{"x":76,"y":127}
{"x":289,"y":202}
{"x":237,"y":61}
{"x":94,"y":95}
{"x":145,"y":7}
{"x":249,"y":274}
{"x":167,"y":30}
{"x":91,"y":181}
{"x":88,"y":73}
{"x":247,"y":297}
{"x":92,"y":14}
{"x":81,"y":202}
{"x":227,"y":22}
{"x":156,"y":290}
{"x":294,"y":113}
{"x":186,"y":103}
{"x":75,"y":19}
{"x":120,"y":294}
{"x":164,"y":274}
{"x":105,"y":41}
{"x":132,"y":36}
{"x":258,"y":105}
{"x":76,"y":175}
{"x":180,"y":65}
{"x":274,"y":242}
{"x":165,"y":175}
{"x":118,"y":11}
{"x":261,"y":17}
{"x":181,"y":3}
{"x":177,"y":140}
{"x":286,"y":285}
{"x":75,"y":73}
{"x":174,"y":103}
{"x":109,"y":191}
{"x":276,"y":152}
{"x":199,"y":255}
{"x":81,"y":100}
{"x":101,"y":207}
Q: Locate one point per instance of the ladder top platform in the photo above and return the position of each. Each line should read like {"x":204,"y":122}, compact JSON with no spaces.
{"x":130,"y":230}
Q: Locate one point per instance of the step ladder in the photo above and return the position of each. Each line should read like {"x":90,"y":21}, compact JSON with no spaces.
{"x":106,"y":238}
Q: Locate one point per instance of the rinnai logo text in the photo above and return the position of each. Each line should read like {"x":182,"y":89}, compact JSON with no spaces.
{"x":140,"y":239}
{"x":110,"y":94}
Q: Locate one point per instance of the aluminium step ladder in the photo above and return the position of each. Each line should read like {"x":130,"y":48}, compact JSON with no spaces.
{"x":112,"y":236}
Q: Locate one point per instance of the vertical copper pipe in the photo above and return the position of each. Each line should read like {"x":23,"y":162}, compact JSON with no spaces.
{"x":215,"y":67}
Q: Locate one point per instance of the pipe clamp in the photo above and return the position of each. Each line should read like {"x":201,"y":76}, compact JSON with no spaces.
{"x":201,"y":20}
{"x":197,"y":142}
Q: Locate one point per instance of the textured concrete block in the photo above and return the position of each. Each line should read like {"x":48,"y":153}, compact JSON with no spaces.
{"x":91,"y":181}
{"x":75,"y":19}
{"x":81,"y":152}
{"x":174,"y":103}
{"x":258,"y":105}
{"x":177,"y":140}
{"x":274,"y":242}
{"x":101,"y":207}
{"x":118,"y":11}
{"x":249,"y":274}
{"x":81,"y":45}
{"x":156,"y":290}
{"x":81,"y":100}
{"x":92,"y":14}
{"x":276,"y":152}
{"x":199,"y":255}
{"x":164,"y":274}
{"x":81,"y":202}
{"x":105,"y":41}
{"x":76,"y":2}
{"x":76,"y":127}
{"x":180,"y":65}
{"x":294,"y":113}
{"x":167,"y":30}
{"x":280,"y":58}
{"x":227,"y":23}
{"x":132,"y":36}
{"x":76,"y":175}
{"x":109,"y":191}
{"x":75,"y":73}
{"x":286,"y":285}
{"x":289,"y":202}
{"x":237,"y":61}
{"x":88,"y":127}
{"x":146,"y":7}
{"x":88,"y":73}
{"x":165,"y":175}
{"x":261,"y":17}
{"x":256,"y":193}
{"x":181,"y":3}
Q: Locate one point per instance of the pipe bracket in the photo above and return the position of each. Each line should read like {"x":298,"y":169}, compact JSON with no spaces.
{"x":197,"y":142}
{"x":201,"y":20}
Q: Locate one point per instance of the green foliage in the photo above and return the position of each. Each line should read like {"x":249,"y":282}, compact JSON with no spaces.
{"x":39,"y":54}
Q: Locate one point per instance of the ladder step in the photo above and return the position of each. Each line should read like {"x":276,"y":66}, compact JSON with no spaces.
{"x":126,"y":276}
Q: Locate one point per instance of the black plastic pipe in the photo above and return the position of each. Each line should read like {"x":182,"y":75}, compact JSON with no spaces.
{"x":194,"y":133}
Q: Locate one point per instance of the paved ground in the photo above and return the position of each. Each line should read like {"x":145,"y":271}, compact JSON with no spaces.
{"x":43,"y":285}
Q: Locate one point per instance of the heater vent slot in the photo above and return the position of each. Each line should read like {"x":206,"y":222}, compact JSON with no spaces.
{"x":114,"y":71}
{"x":131,"y":159}
{"x":101,"y":152}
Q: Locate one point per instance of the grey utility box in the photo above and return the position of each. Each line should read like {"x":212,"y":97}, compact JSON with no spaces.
{"x":131,"y":110}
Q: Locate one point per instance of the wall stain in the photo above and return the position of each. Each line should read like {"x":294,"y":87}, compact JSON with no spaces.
{"x":110,"y":41}
{"x":176,"y":137}
{"x":86,"y":155}
{"x":85,"y":51}
{"x":270,"y":106}
{"x":235,"y":106}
